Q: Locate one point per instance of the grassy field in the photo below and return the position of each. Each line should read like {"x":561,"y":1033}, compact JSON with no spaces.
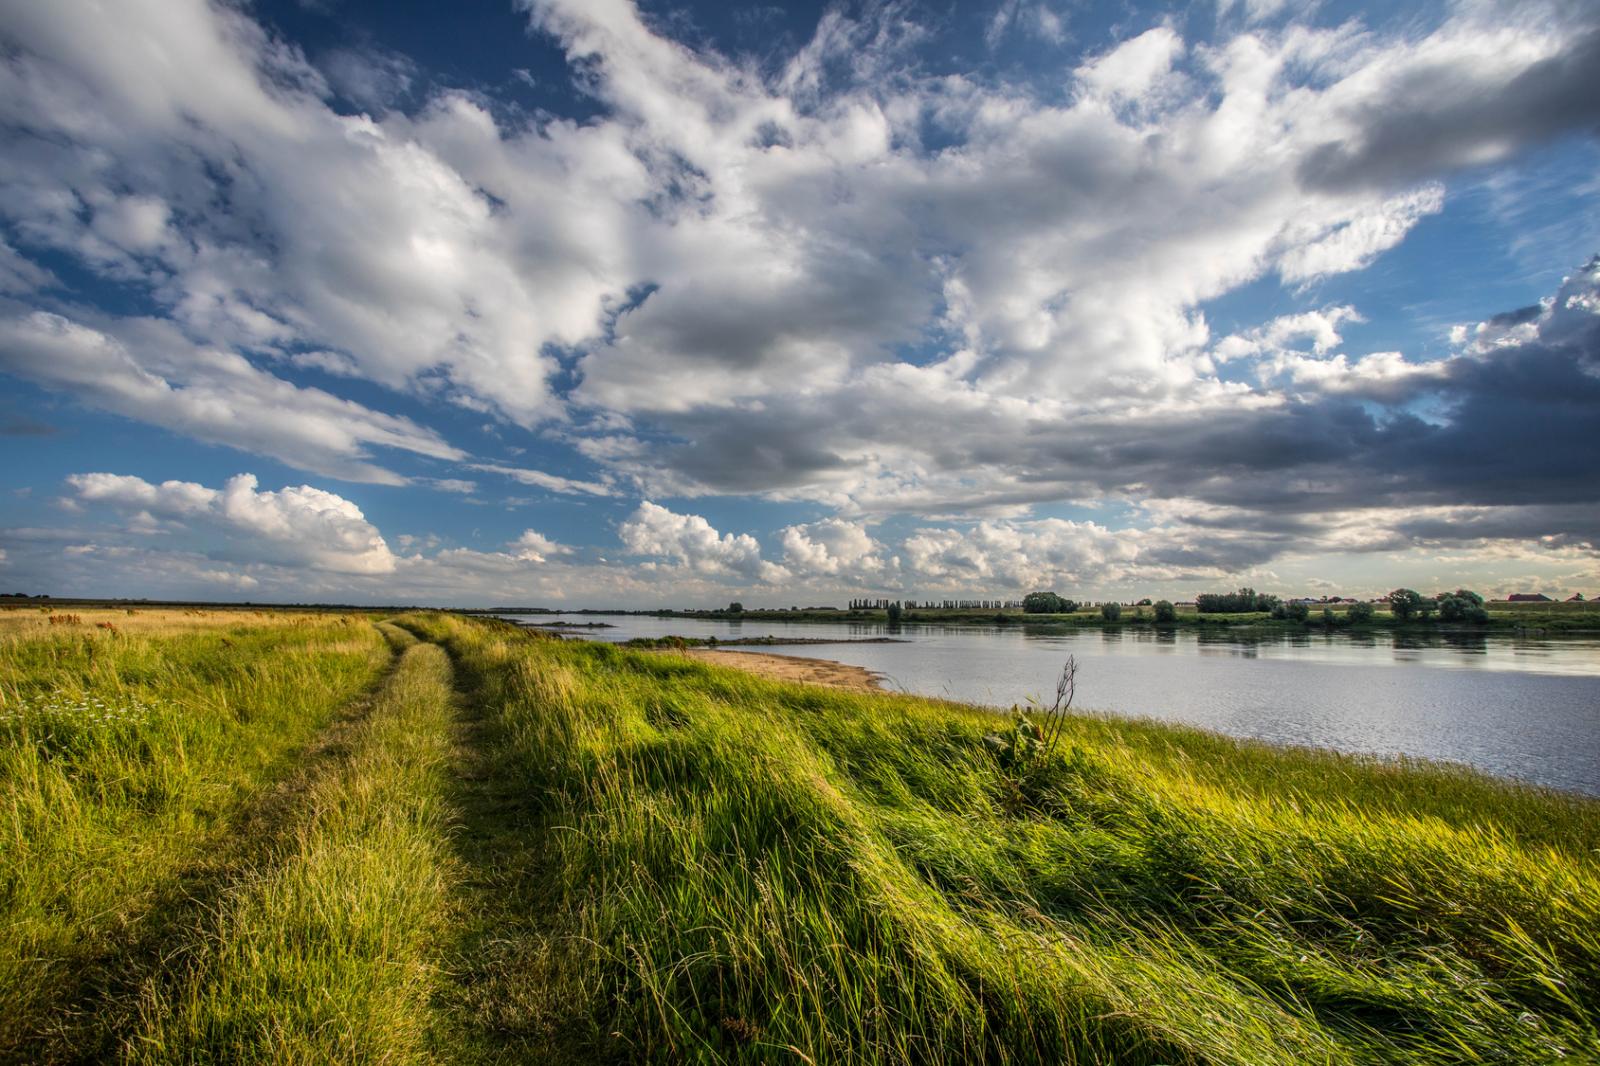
{"x":302,"y":838}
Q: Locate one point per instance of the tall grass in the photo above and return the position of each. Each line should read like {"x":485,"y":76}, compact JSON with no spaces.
{"x":745,"y":870}
{"x":570,"y":852}
{"x":324,"y":953}
{"x":123,"y":755}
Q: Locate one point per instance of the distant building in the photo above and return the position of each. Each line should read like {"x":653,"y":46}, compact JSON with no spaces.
{"x":1528,"y":597}
{"x":1576,"y":597}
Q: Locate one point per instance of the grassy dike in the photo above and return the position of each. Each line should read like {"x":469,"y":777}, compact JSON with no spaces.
{"x":519,"y":849}
{"x":751,"y":871}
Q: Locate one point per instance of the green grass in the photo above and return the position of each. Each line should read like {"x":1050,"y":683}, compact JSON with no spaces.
{"x":529,"y":850}
{"x":123,"y":756}
{"x":324,"y":952}
{"x":746,"y":870}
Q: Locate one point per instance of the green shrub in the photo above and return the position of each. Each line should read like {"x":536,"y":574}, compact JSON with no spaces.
{"x":1047,"y":603}
{"x":1360,"y":613}
{"x":1406,"y":604}
{"x":1111,"y":611}
{"x":1165,"y":612}
{"x":1462,"y":606}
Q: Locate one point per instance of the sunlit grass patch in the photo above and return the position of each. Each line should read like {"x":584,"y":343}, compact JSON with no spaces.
{"x":121,"y":756}
{"x":326,"y":951}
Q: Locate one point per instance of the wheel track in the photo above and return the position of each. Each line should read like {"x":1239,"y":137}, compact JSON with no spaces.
{"x":95,"y":1013}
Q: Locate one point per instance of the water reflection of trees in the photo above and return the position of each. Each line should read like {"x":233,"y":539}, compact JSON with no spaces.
{"x":1476,"y":648}
{"x":1470,"y":643}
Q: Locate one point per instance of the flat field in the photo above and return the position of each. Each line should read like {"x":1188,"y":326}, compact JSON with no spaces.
{"x":274,"y":837}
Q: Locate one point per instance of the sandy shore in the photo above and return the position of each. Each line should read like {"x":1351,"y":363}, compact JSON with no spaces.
{"x":792,"y":668}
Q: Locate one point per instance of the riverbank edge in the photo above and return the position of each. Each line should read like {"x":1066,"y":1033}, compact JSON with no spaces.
{"x":827,"y":672}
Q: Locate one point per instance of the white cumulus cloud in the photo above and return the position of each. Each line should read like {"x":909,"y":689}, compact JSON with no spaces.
{"x":295,"y":525}
{"x":690,"y":542}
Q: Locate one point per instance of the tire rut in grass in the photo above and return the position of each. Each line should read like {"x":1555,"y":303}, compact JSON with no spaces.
{"x":92,"y":1016}
{"x":326,"y":951}
{"x":505,"y":956}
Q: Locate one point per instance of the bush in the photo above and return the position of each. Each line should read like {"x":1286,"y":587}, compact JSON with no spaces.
{"x":1458,"y":608}
{"x":1359,"y":613}
{"x":1405,"y":604}
{"x":1165,"y":612}
{"x":1047,"y":603}
{"x":1328,"y":618}
{"x":1111,"y":611}
{"x":896,"y":612}
{"x":1298,"y":612}
{"x":736,"y":607}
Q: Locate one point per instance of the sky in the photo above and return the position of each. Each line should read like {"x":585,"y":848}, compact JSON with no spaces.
{"x":615,"y":304}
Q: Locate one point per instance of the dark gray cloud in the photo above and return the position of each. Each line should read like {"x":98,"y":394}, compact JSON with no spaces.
{"x":1510,"y":425}
{"x":1579,"y":525}
{"x":22,"y":426}
{"x":1449,"y":114}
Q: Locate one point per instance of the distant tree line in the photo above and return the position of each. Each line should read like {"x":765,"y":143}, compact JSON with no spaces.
{"x":1405,"y":605}
{"x":933,"y":605}
{"x":1462,"y":605}
{"x":1241,"y":602}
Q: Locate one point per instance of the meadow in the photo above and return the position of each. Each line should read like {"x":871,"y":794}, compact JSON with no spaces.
{"x":275,"y":837}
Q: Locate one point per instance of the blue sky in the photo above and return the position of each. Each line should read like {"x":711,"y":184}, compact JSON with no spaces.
{"x":606,"y":303}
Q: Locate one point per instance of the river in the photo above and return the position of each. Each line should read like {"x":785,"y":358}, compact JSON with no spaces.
{"x":1521,"y":707}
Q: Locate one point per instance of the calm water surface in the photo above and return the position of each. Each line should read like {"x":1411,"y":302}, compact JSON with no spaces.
{"x":1519,"y":707}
